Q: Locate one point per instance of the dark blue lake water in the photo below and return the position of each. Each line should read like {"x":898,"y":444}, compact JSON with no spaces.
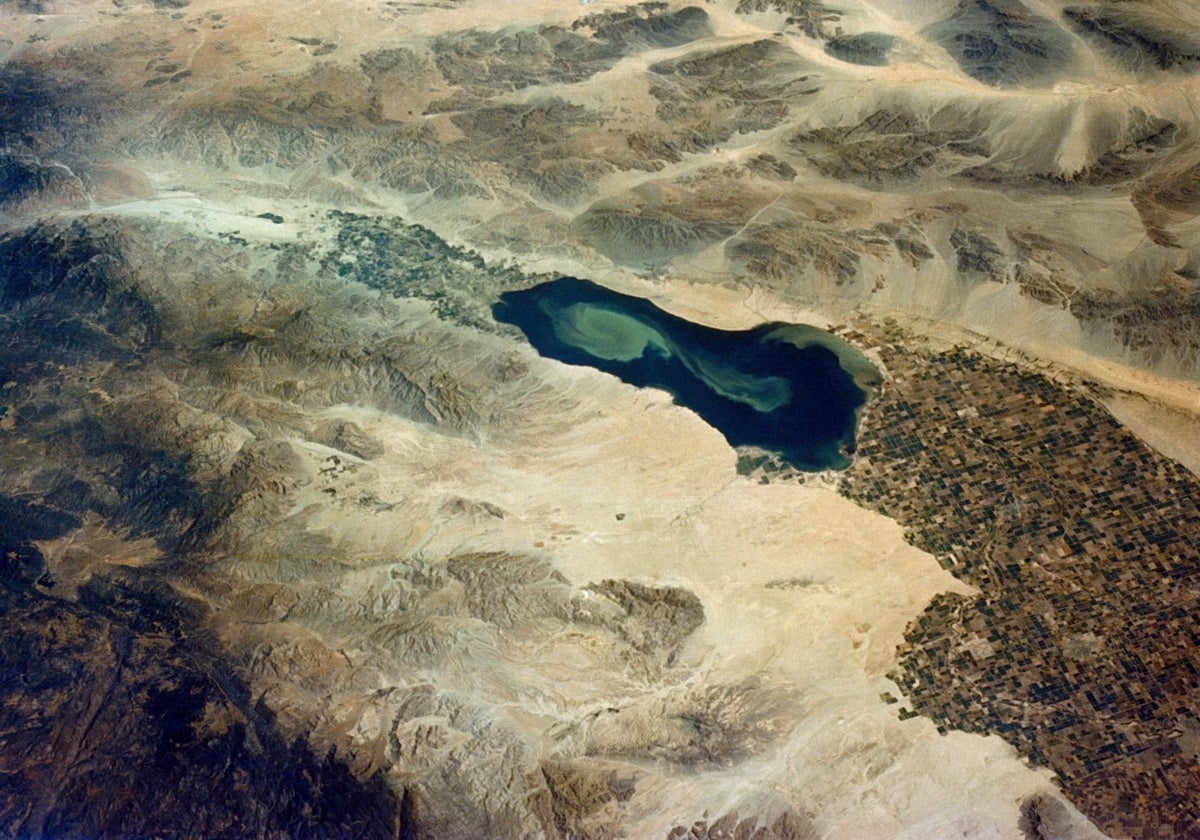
{"x":789,"y":389}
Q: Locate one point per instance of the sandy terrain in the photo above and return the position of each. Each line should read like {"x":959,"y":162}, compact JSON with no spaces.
{"x":511,"y":597}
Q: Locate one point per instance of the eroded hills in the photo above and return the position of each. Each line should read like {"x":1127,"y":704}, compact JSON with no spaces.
{"x":281,"y":493}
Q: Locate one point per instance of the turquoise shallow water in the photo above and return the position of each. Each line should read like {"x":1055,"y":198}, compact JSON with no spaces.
{"x":789,"y":389}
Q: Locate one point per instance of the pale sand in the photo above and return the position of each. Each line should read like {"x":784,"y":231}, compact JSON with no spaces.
{"x":845,"y":586}
{"x":848,"y":582}
{"x":585,"y":448}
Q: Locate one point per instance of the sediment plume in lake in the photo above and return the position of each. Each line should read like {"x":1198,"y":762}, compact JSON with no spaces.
{"x":302,"y":536}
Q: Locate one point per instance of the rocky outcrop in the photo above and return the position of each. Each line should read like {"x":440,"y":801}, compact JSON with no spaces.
{"x":1138,"y":33}
{"x":489,"y":62}
{"x":870,"y":49}
{"x":892,"y":146}
{"x":812,"y":17}
{"x":32,"y":184}
{"x":706,"y":97}
{"x":730,"y":826}
{"x":146,"y":477}
{"x":116,"y":722}
{"x":285,"y":513}
{"x":1004,"y":42}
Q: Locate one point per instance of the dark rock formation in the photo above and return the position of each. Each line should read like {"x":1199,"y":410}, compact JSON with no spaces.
{"x":29,"y":183}
{"x":645,"y":238}
{"x":649,"y":26}
{"x":1045,"y":818}
{"x":890,"y":146}
{"x":1169,"y":196}
{"x":1148,"y":144}
{"x":45,"y":110}
{"x":1140,"y":35}
{"x":83,"y":278}
{"x":708,"y":96}
{"x":868,"y":48}
{"x":978,"y":254}
{"x":1159,"y":324}
{"x":116,"y":723}
{"x":582,"y":796}
{"x":653,"y":620}
{"x":1004,"y":42}
{"x":812,"y":17}
{"x":348,"y":437}
{"x":730,"y":826}
{"x":489,"y":62}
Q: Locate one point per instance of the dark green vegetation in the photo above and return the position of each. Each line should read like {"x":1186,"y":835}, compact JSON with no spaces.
{"x":1082,"y":648}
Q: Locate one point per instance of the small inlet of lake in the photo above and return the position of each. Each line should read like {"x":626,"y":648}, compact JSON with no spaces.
{"x":791,"y":390}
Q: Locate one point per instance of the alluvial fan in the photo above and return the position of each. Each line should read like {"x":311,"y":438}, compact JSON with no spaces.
{"x":301,"y":536}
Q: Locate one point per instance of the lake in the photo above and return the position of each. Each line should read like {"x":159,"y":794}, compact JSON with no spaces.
{"x":789,"y":389}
